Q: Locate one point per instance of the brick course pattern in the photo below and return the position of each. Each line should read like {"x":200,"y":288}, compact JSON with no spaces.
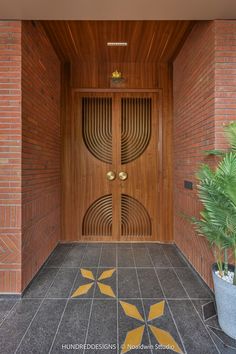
{"x":29,"y":152}
{"x":10,"y":156}
{"x":40,"y":149}
{"x":204,"y":99}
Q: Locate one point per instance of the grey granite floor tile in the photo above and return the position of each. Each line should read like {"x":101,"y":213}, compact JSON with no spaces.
{"x":213,"y":321}
{"x":73,"y":327}
{"x":158,"y":257}
{"x":170,"y":283}
{"x":39,"y":336}
{"x":109,"y":245}
{"x":80,"y":244}
{"x":16,"y":324}
{"x":154,"y":246}
{"x":223,"y":342}
{"x":103,"y":325}
{"x":139,"y":245}
{"x":125,"y":257}
{"x":128,"y":283}
{"x":124,"y":245}
{"x":58,"y":255}
{"x":108,"y":257}
{"x":149,"y":284}
{"x":62,"y":284}
{"x":193,"y":284}
{"x":91,"y":257}
{"x":141,"y":257}
{"x":74,"y":257}
{"x":41,"y":283}
{"x":174,"y":256}
{"x":6,"y":306}
{"x":95,"y":244}
{"x":163,"y":322}
{"x":223,"y":349}
{"x":128,"y":324}
{"x":193,"y":332}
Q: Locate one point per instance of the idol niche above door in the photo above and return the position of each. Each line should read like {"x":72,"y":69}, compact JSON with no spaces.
{"x":116,"y":173}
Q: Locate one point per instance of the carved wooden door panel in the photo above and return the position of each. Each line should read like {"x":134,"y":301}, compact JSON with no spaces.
{"x":116,"y":173}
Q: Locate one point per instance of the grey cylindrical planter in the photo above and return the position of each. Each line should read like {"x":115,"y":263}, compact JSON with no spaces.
{"x":225,"y":295}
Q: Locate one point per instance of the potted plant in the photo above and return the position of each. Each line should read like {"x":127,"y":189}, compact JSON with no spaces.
{"x":217,"y":223}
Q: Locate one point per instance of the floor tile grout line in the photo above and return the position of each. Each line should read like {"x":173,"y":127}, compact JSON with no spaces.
{"x":30,"y":298}
{"x":171,"y":313}
{"x":63,"y":312}
{"x":229,"y":346}
{"x":197,"y":311}
{"x":91,"y":307}
{"x":9,"y":312}
{"x":39,"y":307}
{"x":144,"y":314}
{"x":195,"y":308}
{"x":117,"y":305}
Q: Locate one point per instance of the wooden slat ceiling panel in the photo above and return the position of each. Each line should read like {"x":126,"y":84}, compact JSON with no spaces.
{"x":86,"y":41}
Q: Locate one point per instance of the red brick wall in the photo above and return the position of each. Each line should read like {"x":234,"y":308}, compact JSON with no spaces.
{"x":10,"y":156}
{"x":204,"y":98}
{"x":40,"y":149}
{"x":225,"y":77}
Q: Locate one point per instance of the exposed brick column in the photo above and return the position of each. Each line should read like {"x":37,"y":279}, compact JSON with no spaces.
{"x":10,"y":156}
{"x":30,"y":146}
{"x":225,"y":77}
{"x":204,"y":99}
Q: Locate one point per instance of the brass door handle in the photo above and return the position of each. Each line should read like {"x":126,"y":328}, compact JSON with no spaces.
{"x":111,"y":175}
{"x":123,"y":176}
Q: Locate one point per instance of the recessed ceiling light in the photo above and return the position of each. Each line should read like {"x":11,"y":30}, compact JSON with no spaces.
{"x":117,"y":44}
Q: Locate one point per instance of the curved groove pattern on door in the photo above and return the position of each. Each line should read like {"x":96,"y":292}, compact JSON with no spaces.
{"x":136,"y":116}
{"x":97,"y":126}
{"x":135,"y":220}
{"x":98,"y":218}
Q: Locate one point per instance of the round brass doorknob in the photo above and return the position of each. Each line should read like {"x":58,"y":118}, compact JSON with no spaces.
{"x":123,"y":176}
{"x":111,"y":175}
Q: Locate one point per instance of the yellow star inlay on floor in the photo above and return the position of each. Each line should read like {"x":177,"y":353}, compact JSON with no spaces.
{"x":83,"y":289}
{"x":131,"y":310}
{"x":104,"y":289}
{"x":156,"y":310}
{"x":133,"y":339}
{"x":106,"y":274}
{"x":165,"y":339}
{"x":87,"y":274}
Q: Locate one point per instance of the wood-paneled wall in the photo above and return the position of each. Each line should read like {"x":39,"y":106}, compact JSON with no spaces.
{"x":96,"y":76}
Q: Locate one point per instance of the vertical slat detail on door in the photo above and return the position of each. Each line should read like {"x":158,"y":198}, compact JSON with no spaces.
{"x":97,"y":126}
{"x":98,"y":218}
{"x":136,"y":122}
{"x":135,"y":220}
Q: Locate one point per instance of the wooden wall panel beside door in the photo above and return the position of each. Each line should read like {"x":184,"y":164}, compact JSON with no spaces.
{"x":117,"y":132}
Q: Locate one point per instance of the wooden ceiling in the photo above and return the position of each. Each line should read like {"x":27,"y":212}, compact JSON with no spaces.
{"x":148,"y":41}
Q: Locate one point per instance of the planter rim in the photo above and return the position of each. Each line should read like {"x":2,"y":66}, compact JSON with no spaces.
{"x":223,"y":282}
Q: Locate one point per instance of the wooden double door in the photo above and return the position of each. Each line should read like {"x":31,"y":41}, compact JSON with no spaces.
{"x":116,"y":174}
